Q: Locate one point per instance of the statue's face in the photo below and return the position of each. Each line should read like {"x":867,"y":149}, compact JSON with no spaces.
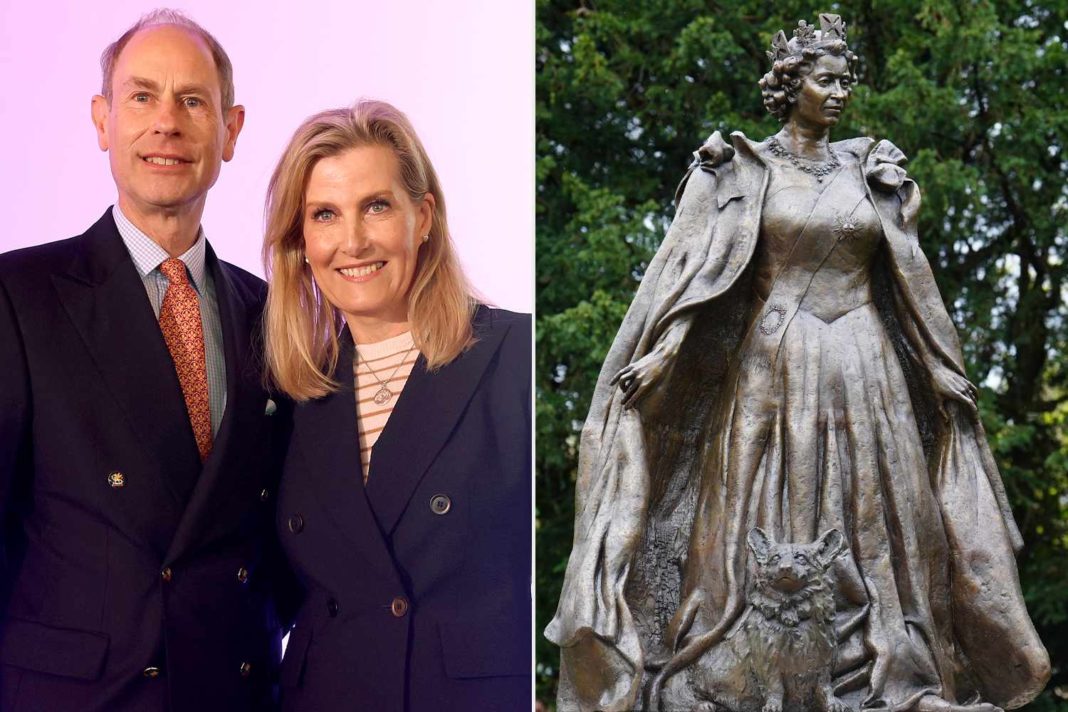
{"x":824,"y":92}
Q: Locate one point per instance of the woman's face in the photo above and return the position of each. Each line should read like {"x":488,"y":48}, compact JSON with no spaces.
{"x":362,"y":234}
{"x":824,"y":92}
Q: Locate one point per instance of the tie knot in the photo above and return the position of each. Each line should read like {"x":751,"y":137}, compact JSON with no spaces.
{"x":174,"y":270}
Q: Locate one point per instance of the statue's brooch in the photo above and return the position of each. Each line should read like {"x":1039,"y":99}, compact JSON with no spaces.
{"x":845,"y":227}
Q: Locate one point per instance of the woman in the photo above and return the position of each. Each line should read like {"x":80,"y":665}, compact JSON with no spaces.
{"x":788,"y":364}
{"x":404,"y":505}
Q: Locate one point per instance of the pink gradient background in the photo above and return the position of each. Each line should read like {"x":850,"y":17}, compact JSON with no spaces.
{"x":461,"y":70}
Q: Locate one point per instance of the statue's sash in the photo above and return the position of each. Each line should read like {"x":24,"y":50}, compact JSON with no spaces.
{"x":809,"y":251}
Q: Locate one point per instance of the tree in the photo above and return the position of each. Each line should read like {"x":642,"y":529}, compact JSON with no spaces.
{"x":973,"y":91}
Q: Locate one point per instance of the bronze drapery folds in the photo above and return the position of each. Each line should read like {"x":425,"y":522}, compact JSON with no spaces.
{"x":786,"y":500}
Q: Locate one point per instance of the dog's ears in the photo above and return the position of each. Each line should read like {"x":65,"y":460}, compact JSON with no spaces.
{"x":760,"y":543}
{"x":829,"y":546}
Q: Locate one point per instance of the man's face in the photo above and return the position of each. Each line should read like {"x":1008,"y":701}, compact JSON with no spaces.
{"x":164,"y":128}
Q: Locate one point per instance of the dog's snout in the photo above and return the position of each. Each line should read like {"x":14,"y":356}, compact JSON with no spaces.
{"x":789,"y":578}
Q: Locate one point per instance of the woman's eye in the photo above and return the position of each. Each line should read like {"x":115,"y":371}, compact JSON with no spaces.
{"x":323,"y":215}
{"x":378,"y":207}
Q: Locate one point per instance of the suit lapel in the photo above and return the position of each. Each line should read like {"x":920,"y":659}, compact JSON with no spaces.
{"x":105,"y":299}
{"x":326,"y":436}
{"x":426,"y":413}
{"x":245,"y":400}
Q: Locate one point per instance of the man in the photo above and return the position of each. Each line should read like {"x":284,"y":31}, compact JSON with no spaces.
{"x":136,"y":473}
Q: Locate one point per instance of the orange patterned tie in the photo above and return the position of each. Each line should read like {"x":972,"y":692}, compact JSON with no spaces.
{"x":179,"y":319}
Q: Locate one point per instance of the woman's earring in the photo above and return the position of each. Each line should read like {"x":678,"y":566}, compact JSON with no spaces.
{"x":426,"y":238}
{"x":306,"y":260}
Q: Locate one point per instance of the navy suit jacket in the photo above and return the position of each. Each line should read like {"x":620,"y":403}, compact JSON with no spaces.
{"x":418,"y":585}
{"x":131,"y":577}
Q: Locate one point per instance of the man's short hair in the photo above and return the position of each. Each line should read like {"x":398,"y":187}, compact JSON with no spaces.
{"x":166,"y":16}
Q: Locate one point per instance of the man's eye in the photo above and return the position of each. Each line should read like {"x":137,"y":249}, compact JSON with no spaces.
{"x":192,"y":102}
{"x":140,"y":97}
{"x":323,"y":215}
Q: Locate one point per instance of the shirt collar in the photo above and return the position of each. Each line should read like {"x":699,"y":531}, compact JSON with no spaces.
{"x":148,"y":255}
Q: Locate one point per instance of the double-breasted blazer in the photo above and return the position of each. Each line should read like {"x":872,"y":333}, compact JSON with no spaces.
{"x":133,"y":577}
{"x":417,"y":585}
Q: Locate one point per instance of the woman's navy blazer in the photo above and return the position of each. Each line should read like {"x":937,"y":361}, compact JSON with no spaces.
{"x":417,"y":585}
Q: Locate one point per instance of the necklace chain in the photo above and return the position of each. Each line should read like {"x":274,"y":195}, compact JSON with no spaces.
{"x":819,"y":169}
{"x":383,"y":394}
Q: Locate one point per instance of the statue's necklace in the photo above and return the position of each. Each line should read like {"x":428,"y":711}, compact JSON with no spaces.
{"x":815,"y":168}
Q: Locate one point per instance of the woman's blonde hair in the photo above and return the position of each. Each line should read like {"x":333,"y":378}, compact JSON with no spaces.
{"x":300,"y":326}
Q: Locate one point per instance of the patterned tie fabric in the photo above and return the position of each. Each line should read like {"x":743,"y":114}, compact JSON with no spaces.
{"x":179,"y":320}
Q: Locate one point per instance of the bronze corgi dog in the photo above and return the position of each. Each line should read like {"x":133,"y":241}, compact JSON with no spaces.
{"x":780,"y":655}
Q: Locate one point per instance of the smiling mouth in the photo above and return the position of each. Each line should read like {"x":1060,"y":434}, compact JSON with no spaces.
{"x":161,"y":161}
{"x":363,"y":270}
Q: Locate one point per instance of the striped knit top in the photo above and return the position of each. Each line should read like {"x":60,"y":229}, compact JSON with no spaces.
{"x":381,"y":369}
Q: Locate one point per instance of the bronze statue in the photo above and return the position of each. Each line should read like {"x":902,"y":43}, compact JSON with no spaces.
{"x":788,"y":363}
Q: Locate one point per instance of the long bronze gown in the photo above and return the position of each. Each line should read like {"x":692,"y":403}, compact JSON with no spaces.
{"x":830,"y":440}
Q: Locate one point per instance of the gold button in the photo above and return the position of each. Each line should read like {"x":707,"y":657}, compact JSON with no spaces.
{"x":246,"y":669}
{"x":399,"y":606}
{"x":117,"y":479}
{"x":264,"y":494}
{"x":242,"y":574}
{"x":151,"y":672}
{"x":167,"y":574}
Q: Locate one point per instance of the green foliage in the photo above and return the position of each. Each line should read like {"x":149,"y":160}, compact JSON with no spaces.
{"x":972,"y":90}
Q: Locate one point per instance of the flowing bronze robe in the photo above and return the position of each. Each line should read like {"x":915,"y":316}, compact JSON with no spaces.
{"x":638,"y":467}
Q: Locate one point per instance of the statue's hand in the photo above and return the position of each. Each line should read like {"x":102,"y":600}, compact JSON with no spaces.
{"x":636,"y":379}
{"x":950,"y":385}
